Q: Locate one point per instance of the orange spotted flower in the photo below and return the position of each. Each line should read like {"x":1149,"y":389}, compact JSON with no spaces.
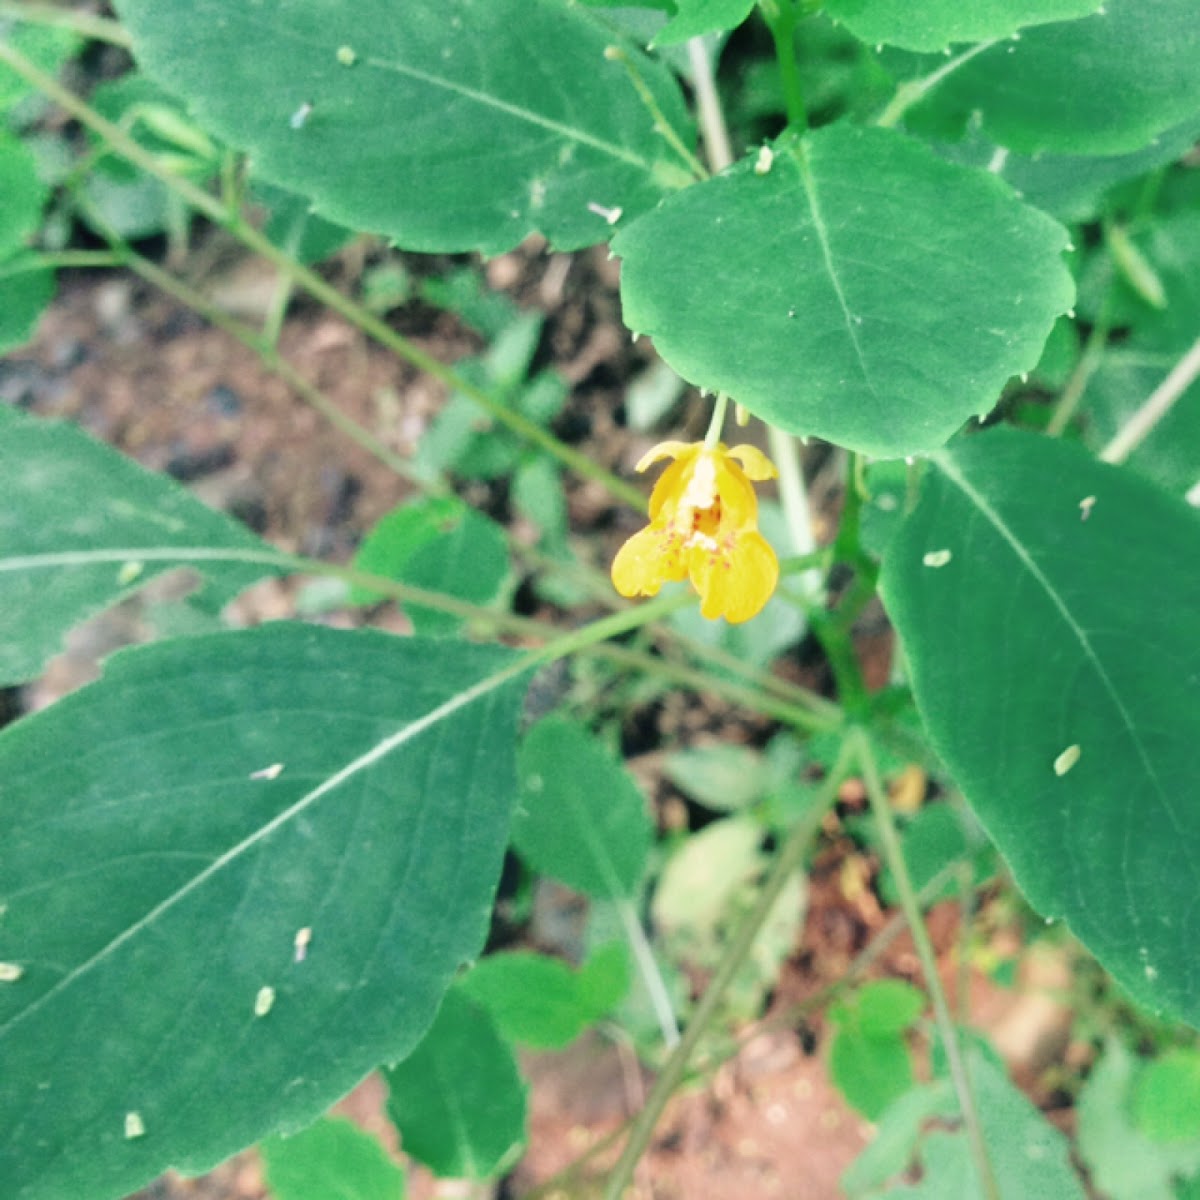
{"x":703,"y":527}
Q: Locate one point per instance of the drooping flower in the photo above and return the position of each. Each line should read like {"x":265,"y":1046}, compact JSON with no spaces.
{"x":703,"y":527}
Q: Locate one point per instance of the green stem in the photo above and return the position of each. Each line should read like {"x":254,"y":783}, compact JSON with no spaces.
{"x":781,"y":19}
{"x":893,"y":856}
{"x":787,"y":862}
{"x":716,"y":422}
{"x":60,"y":260}
{"x":317,"y":287}
{"x":661,"y":125}
{"x":908,"y":94}
{"x":99,"y":29}
{"x":1085,"y":368}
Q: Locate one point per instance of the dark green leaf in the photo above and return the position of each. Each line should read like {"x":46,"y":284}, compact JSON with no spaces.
{"x":877,"y":316}
{"x":240,"y":871}
{"x":82,"y":526}
{"x":935,"y":24}
{"x":1047,"y":606}
{"x":443,"y":124}
{"x":1053,"y":89}
{"x":458,"y":1099}
{"x":698,"y":17}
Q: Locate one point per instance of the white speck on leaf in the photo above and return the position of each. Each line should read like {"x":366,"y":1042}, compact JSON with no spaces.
{"x":271,"y":772}
{"x":301,"y":943}
{"x":346,"y":56}
{"x":610,"y":215}
{"x":1067,"y":759}
{"x":1085,"y":507}
{"x":762,"y":164}
{"x":937,"y":558}
{"x":264,"y":1001}
{"x":10,"y":972}
{"x":128,"y":573}
{"x":135,"y":1127}
{"x":300,"y":117}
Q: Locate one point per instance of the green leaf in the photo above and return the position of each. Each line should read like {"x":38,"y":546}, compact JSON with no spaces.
{"x":1166,"y":1098}
{"x":878,"y":317}
{"x":722,"y":777}
{"x":24,"y":195}
{"x":1047,"y":607}
{"x":871,"y":1072}
{"x":82,"y":527}
{"x":294,"y":227}
{"x":1028,"y":1156}
{"x":28,"y":289}
{"x":882,"y":1009}
{"x":935,"y":24}
{"x":46,"y":46}
{"x":1125,"y":1164}
{"x":581,"y":819}
{"x":458,"y":1099}
{"x":1052,"y":90}
{"x":698,"y":17}
{"x":540,"y":1001}
{"x":331,"y":1160}
{"x":442,"y":545}
{"x":240,"y":871}
{"x":443,"y":124}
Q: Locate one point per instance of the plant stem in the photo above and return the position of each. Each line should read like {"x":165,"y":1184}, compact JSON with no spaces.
{"x":643,"y":955}
{"x":1155,"y":407}
{"x":781,"y":19}
{"x":908,"y":94}
{"x":316,"y":286}
{"x":99,"y":29}
{"x":1085,"y":368}
{"x":661,"y":125}
{"x":708,"y":105}
{"x":893,"y":855}
{"x":787,"y":861}
{"x":716,"y":422}
{"x":60,"y":260}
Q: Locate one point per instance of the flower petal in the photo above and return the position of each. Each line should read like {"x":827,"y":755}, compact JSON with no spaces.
{"x":754,"y":462}
{"x":738,"y":584}
{"x":650,"y":558}
{"x":667,"y":450}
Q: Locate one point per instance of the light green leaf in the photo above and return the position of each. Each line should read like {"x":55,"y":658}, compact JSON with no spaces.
{"x":581,"y":819}
{"x":443,"y":124}
{"x":698,"y":17}
{"x":935,"y":24}
{"x":1123,"y":1162}
{"x":882,"y":1008}
{"x":46,"y":46}
{"x":1166,"y":1098}
{"x":1047,"y":608}
{"x":878,"y":317}
{"x":240,"y":871}
{"x":540,"y":1001}
{"x":82,"y":527}
{"x":28,"y":289}
{"x":294,"y":227}
{"x":442,"y":545}
{"x":331,"y":1160}
{"x":723,"y":777}
{"x":870,"y":1072}
{"x":458,"y":1099}
{"x":1053,"y":89}
{"x":24,"y":195}
{"x":1028,"y":1156}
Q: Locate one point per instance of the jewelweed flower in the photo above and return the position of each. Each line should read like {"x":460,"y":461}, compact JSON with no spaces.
{"x":703,"y":527}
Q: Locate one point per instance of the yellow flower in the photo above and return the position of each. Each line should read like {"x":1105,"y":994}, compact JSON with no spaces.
{"x":703,"y":527}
